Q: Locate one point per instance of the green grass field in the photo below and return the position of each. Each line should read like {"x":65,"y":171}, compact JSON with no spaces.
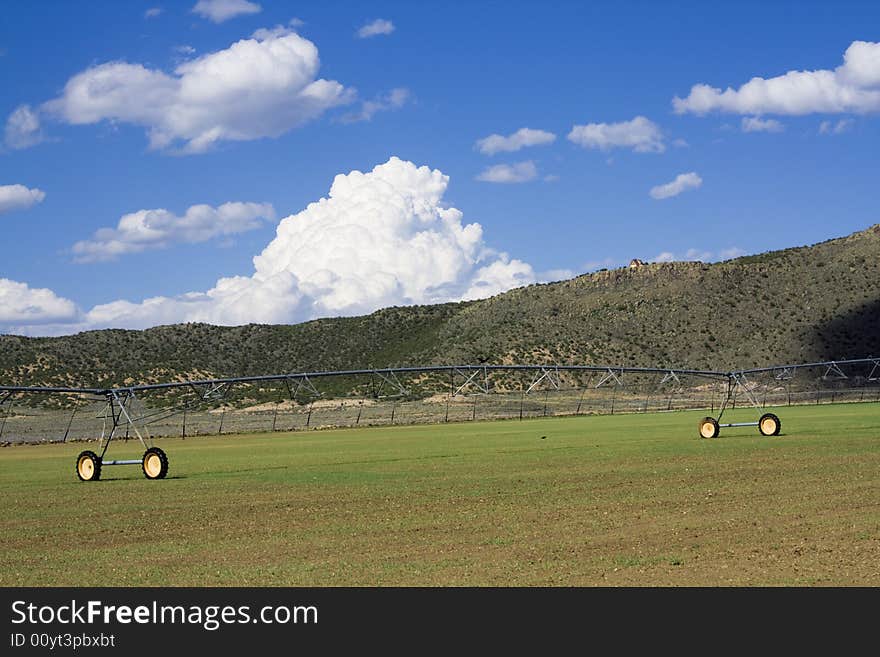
{"x":579,"y":501}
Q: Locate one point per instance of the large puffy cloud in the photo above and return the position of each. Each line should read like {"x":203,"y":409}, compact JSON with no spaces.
{"x":157,"y":229}
{"x":258,"y":87}
{"x":640,"y":134}
{"x":380,"y":238}
{"x":854,"y":86}
{"x":19,"y":197}
{"x":520,"y":139}
{"x":22,"y":304}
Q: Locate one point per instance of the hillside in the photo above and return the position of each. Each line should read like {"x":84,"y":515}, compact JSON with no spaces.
{"x":800,"y":304}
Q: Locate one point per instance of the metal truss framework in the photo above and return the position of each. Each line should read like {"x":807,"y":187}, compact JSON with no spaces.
{"x":388,"y":382}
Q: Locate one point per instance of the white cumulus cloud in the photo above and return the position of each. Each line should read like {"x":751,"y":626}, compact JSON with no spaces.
{"x":22,"y":304}
{"x":222,"y":10}
{"x":682,"y":183}
{"x":756,"y":124}
{"x":19,"y":197}
{"x":854,"y":86}
{"x":380,"y":238}
{"x":519,"y":172}
{"x":258,"y":87}
{"x":158,"y":229}
{"x":640,"y":134}
{"x":375,"y":28}
{"x":520,"y":139}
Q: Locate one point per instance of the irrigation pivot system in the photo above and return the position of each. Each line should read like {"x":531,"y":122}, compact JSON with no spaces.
{"x":451,"y":393}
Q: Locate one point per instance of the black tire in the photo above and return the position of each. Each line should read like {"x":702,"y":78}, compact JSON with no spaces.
{"x":154,"y":463}
{"x":769,"y":425}
{"x":88,"y":466}
{"x":708,"y":427}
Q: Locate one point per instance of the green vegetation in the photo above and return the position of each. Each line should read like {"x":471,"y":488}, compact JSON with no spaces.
{"x":604,"y":500}
{"x":801,"y":304}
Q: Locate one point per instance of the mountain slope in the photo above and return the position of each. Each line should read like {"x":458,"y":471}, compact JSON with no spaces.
{"x":799,"y":304}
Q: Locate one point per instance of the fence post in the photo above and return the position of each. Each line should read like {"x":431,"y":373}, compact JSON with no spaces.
{"x":67,"y":431}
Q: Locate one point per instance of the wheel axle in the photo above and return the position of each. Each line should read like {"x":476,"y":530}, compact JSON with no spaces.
{"x":768,"y":425}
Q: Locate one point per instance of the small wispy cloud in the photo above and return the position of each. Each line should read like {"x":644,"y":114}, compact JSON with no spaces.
{"x":393,"y":100}
{"x":682,"y":183}
{"x":519,"y":172}
{"x":158,"y":229}
{"x":23,"y":128}
{"x":757,"y":124}
{"x":700,"y":255}
{"x":218,"y":11}
{"x":640,"y":134}
{"x":835,"y":128}
{"x":152,"y":12}
{"x":520,"y":139}
{"x":375,"y":28}
{"x":595,"y":265}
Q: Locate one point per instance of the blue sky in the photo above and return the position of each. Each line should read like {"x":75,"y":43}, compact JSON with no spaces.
{"x":203,"y":120}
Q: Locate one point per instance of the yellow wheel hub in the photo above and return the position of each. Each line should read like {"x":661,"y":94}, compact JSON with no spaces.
{"x":86,"y":467}
{"x":153,"y":465}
